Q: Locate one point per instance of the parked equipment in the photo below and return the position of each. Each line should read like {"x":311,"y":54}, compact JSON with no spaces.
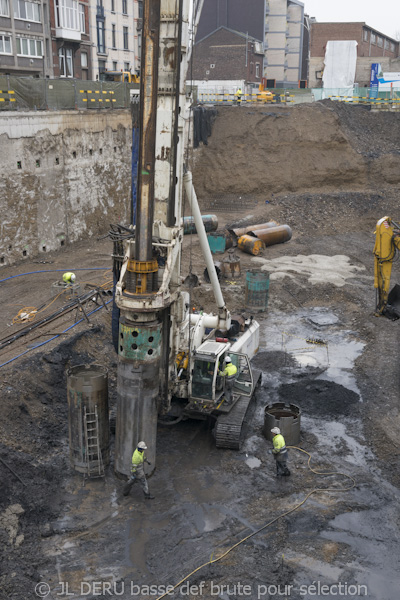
{"x":387,"y":244}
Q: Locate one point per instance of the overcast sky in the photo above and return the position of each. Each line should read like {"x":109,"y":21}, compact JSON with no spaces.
{"x":383,"y":15}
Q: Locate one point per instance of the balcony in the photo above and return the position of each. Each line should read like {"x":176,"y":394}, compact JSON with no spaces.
{"x":68,"y":34}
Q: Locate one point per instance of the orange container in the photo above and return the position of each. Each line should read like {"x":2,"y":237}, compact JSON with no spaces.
{"x":250,"y":245}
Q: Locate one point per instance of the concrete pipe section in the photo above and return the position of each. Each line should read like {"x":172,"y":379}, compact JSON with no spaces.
{"x":287,"y":418}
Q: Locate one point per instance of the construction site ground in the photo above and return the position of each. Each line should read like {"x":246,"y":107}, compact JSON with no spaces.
{"x":329,"y":171}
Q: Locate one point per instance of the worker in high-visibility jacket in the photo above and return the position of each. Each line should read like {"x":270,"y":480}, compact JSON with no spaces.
{"x":238,"y":95}
{"x":69,"y":278}
{"x":280,"y":452}
{"x":137,"y":471}
{"x":229,"y":374}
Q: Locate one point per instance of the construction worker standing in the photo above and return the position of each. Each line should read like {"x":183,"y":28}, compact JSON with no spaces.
{"x":280,"y":452}
{"x":229,"y":373}
{"x":238,"y":95}
{"x":137,"y":471}
{"x":69,"y":278}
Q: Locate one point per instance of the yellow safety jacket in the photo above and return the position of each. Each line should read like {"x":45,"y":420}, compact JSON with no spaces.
{"x":279,"y":444}
{"x":137,"y":460}
{"x":229,"y":371}
{"x":67,"y":277}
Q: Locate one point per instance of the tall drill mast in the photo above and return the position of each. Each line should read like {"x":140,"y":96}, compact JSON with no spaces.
{"x":151,"y":305}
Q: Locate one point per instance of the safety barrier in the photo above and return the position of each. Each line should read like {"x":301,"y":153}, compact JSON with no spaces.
{"x":228,"y":98}
{"x":10,"y":96}
{"x":26,"y":93}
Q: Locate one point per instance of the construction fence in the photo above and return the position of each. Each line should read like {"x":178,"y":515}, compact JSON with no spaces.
{"x":26,"y":93}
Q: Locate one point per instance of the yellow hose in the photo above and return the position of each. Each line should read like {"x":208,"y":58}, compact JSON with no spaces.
{"x":210,"y":562}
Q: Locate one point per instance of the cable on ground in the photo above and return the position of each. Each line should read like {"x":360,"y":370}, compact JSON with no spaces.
{"x":288,"y":512}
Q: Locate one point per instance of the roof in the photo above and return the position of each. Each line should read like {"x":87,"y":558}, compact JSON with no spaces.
{"x":239,"y":33}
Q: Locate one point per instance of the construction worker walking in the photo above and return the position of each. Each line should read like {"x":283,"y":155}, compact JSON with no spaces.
{"x":229,"y":373}
{"x":137,"y":471}
{"x":69,"y":278}
{"x":280,"y":452}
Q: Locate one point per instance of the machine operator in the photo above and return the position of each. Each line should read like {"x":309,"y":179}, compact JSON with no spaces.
{"x":229,"y":373}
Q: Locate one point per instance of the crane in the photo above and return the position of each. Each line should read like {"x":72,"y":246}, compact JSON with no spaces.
{"x":167,"y":364}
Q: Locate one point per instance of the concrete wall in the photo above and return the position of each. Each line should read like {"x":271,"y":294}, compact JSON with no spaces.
{"x":65,"y":176}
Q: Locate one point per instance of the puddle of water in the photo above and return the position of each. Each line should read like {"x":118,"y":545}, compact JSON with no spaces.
{"x":290,"y":333}
{"x":253,"y":462}
{"x":318,"y":567}
{"x":334,"y":433}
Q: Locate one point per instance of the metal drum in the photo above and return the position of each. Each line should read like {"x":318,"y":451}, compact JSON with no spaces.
{"x":87,"y":388}
{"x":250,"y":245}
{"x":210,"y":224}
{"x":287,"y":418}
{"x":257,"y":290}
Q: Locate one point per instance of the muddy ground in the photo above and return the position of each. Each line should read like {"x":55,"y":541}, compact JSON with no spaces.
{"x":84,"y":539}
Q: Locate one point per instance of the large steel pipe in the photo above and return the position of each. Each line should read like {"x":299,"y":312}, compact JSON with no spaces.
{"x":147,"y":144}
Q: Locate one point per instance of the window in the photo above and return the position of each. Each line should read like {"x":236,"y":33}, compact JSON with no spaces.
{"x":113,"y":6}
{"x":114,"y":45}
{"x":365,"y":35}
{"x":380,"y":42}
{"x":29,"y":11}
{"x":4,"y":8}
{"x":127,"y":66}
{"x":257,"y":69}
{"x":115,"y":65}
{"x":386,"y":44}
{"x":124,"y":7}
{"x":391,"y":47}
{"x":140,"y":6}
{"x":5,"y":44}
{"x":29,"y":47}
{"x":82,"y":19}
{"x":126,"y":44}
{"x":373,"y":38}
{"x":102,"y":66}
{"x":65,"y":62}
{"x":67,"y":14}
{"x":84,"y":60}
{"x":101,"y":46}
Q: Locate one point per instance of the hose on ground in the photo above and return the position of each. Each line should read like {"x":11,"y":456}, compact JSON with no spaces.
{"x":288,"y":512}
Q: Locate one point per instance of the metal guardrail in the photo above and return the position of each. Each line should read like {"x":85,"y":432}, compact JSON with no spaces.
{"x":216,"y":97}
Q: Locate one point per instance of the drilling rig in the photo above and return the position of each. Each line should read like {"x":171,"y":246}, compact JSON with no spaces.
{"x":167,"y":363}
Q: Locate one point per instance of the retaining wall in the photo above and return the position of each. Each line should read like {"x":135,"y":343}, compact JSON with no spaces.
{"x":65,"y":176}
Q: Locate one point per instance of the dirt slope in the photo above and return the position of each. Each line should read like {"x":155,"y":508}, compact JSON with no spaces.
{"x":259,"y":151}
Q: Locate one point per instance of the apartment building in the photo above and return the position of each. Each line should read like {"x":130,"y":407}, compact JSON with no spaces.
{"x":70,"y":39}
{"x":24,"y":38}
{"x":283,"y":42}
{"x":372,"y":47}
{"x":116,"y":27}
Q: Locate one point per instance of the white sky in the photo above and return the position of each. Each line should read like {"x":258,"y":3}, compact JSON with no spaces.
{"x":383,"y":15}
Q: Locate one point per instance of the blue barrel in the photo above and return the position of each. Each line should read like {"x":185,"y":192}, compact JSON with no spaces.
{"x":257,"y":289}
{"x":219,"y":241}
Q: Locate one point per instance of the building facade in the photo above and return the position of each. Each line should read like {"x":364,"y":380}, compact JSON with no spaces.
{"x":228,"y":55}
{"x":25,"y":38}
{"x":283,"y":44}
{"x":372,"y":47}
{"x":116,"y":35}
{"x":70,"y":39}
{"x":278,"y":24}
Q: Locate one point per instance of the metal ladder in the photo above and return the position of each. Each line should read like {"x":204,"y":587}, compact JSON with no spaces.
{"x":94,"y":460}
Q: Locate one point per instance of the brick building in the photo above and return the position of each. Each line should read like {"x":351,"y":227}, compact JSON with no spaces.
{"x":372,"y":47}
{"x":70,"y":38}
{"x":278,"y":24}
{"x":228,"y":55}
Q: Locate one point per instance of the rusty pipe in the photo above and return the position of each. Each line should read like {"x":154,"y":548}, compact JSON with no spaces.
{"x":147,"y":143}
